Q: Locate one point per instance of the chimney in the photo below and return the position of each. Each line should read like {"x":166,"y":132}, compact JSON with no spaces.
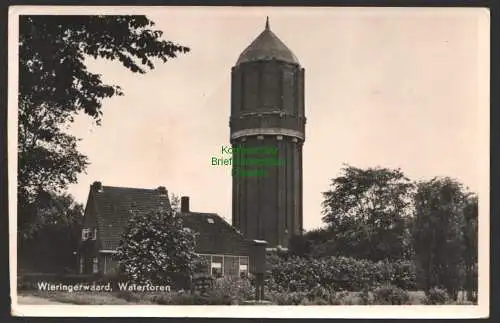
{"x":185,"y":204}
{"x":162,"y":190}
{"x":96,"y":186}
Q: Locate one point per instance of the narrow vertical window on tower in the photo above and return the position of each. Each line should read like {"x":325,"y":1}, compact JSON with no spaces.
{"x":288,"y":90}
{"x":271,"y":92}
{"x":236,"y":92}
{"x":300,"y":93}
{"x":251,"y":90}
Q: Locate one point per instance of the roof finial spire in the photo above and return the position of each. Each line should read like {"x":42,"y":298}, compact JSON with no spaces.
{"x":267,"y":22}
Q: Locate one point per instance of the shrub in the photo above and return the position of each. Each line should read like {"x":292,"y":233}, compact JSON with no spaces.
{"x":342,"y":298}
{"x":437,"y":296}
{"x":314,"y":301}
{"x":128,"y":296}
{"x":390,"y":295}
{"x":156,"y":248}
{"x":405,"y":275}
{"x":236,"y":290}
{"x":365,"y":298}
{"x":295,"y":274}
{"x":319,"y":292}
{"x":292,"y":298}
{"x":161,"y":299}
{"x":187,"y":299}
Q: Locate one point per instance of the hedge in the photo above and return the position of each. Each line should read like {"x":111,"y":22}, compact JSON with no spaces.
{"x":295,"y":274}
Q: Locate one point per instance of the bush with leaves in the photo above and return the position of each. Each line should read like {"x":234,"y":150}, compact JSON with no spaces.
{"x":282,"y":298}
{"x":441,"y":241}
{"x":54,"y":236}
{"x":296,"y":274}
{"x":157,"y":249}
{"x":436,"y":296}
{"x":236,"y":290}
{"x":366,"y":211}
{"x":390,"y":295}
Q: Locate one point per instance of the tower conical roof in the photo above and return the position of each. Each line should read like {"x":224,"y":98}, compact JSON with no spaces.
{"x":267,"y":46}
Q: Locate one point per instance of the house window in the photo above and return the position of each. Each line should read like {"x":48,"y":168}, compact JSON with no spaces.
{"x":243,"y":267}
{"x":231,"y":266}
{"x":85,"y":234}
{"x":95,"y":265}
{"x":82,"y":263}
{"x":217,"y":266}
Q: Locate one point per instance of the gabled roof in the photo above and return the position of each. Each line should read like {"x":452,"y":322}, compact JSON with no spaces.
{"x":216,"y":236}
{"x":267,"y":46}
{"x":113,"y":205}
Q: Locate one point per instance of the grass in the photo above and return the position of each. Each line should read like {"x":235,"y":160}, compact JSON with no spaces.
{"x":127,"y":298}
{"x":83,"y":298}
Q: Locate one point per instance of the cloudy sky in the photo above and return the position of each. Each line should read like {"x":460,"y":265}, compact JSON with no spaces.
{"x":384,"y":87}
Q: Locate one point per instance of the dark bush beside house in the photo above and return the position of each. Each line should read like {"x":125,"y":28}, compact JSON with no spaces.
{"x":108,"y":209}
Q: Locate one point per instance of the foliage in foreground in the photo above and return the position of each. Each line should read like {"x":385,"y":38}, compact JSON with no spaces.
{"x":157,"y":249}
{"x":296,"y":274}
{"x":365,"y":211}
{"x":55,"y":86}
{"x":445,"y":235}
{"x":54,"y":236}
{"x":239,"y":292}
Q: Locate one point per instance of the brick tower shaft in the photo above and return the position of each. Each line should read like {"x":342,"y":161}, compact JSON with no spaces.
{"x":267,"y":112}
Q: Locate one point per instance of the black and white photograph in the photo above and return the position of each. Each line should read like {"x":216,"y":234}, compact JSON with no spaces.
{"x":285,"y":162}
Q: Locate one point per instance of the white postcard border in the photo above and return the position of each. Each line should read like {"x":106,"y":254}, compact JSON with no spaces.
{"x":353,"y":311}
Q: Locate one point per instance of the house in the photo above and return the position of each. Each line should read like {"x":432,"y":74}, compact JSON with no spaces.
{"x":106,"y":216}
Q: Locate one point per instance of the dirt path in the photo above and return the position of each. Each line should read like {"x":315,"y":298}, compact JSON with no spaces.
{"x":35,"y":300}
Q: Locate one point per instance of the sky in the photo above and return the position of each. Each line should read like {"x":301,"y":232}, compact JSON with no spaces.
{"x":397,"y":88}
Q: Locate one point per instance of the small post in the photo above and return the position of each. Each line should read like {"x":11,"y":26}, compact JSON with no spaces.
{"x":258,"y":266}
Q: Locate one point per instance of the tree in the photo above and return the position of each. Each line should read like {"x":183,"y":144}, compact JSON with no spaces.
{"x":175,"y":202}
{"x":55,"y":85}
{"x":156,"y":248}
{"x":470,"y":235}
{"x":52,"y":245}
{"x":438,"y":233}
{"x":366,"y":212}
{"x":314,"y":243}
{"x":299,"y":245}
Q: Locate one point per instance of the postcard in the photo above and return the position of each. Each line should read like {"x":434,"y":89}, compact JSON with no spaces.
{"x":281,"y":162}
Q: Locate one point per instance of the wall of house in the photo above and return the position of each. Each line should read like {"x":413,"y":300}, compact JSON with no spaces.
{"x":88,"y":250}
{"x":226,"y":265}
{"x":217,"y":265}
{"x":108,"y":266}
